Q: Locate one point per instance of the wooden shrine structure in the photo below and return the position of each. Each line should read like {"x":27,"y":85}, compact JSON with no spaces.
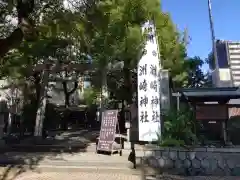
{"x":213,"y":107}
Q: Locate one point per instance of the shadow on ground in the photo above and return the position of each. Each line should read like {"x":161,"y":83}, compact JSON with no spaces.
{"x":20,"y":156}
{"x":14,"y":164}
{"x":56,"y":141}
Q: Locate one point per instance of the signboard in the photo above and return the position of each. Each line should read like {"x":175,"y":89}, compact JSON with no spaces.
{"x":149,"y":88}
{"x":211,"y":112}
{"x":108,"y":130}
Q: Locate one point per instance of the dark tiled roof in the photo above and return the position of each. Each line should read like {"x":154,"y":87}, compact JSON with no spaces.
{"x":210,"y":94}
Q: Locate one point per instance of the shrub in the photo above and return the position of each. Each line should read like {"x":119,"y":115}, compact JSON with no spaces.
{"x":178,"y":128}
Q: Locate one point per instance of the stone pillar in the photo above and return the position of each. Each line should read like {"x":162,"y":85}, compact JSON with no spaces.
{"x":224,"y":131}
{"x":128,"y":135}
{"x":1,"y":124}
{"x":133,"y":133}
{"x":3,"y":111}
{"x":127,"y":117}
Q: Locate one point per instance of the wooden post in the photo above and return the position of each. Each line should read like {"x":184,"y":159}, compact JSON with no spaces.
{"x":224,"y":129}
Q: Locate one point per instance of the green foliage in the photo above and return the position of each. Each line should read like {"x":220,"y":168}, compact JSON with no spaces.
{"x":210,"y":61}
{"x":90,"y":96}
{"x":172,"y":49}
{"x":233,"y":127}
{"x":109,"y":32}
{"x":171,"y":142}
{"x":119,"y":38}
{"x":179,"y":128}
{"x":196,"y":78}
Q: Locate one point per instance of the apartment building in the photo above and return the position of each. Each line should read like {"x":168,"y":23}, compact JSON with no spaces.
{"x":234,"y":61}
{"x":228,"y":73}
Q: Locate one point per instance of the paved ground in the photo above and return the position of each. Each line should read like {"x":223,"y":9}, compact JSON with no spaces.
{"x":103,"y":176}
{"x":78,"y":165}
{"x":69,"y":167}
{"x":77,"y":176}
{"x":57,"y":141}
{"x":64,"y":157}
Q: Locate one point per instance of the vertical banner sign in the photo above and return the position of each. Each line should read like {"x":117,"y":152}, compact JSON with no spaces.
{"x":149,"y":88}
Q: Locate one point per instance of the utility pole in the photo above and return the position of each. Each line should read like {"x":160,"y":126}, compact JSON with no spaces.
{"x":224,"y":132}
{"x":214,"y":47}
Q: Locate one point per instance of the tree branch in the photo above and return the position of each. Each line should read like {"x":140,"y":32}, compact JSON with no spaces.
{"x":68,"y":94}
{"x":12,"y":41}
{"x":25,"y":27}
{"x":64,"y":84}
{"x":65,"y":89}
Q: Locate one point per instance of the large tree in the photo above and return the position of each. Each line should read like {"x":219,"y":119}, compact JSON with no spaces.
{"x":109,"y":32}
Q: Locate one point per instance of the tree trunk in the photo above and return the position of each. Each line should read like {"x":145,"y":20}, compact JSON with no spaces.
{"x":11,"y":113}
{"x":127,"y":82}
{"x":67,"y":95}
{"x":104,"y":88}
{"x":41,"y":105}
{"x":104,"y":92}
{"x":37,"y":81}
{"x":67,"y":100}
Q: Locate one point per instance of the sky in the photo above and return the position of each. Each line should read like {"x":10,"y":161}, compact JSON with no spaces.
{"x":193,"y":15}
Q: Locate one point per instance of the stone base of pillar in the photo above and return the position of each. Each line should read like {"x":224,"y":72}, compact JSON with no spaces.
{"x":37,"y":139}
{"x":1,"y":133}
{"x":2,"y":143}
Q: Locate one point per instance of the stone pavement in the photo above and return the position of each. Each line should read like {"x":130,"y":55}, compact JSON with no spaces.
{"x":72,"y":170}
{"x":103,"y":176}
{"x":77,"y":176}
{"x":74,"y":159}
{"x":79,"y":166}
